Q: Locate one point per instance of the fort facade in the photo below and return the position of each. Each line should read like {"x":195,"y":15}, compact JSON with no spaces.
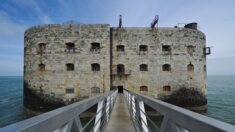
{"x":64,"y":63}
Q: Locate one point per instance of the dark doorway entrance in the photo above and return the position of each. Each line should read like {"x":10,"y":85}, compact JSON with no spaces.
{"x":120,"y":89}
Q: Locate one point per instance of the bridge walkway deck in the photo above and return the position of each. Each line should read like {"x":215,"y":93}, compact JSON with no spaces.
{"x":120,"y":120}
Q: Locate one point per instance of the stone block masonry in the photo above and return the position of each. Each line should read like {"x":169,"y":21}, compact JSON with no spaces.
{"x":69,"y":62}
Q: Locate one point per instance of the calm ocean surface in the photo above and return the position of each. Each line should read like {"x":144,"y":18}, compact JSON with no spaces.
{"x":221,"y":99}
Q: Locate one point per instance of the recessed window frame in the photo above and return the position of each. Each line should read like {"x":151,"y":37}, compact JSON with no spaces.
{"x":95,"y":67}
{"x":95,"y":46}
{"x":166,"y":67}
{"x":143,"y":67}
{"x":41,"y":67}
{"x":166,"y":48}
{"x":42,"y":46}
{"x":144,"y":88}
{"x":70,"y":67}
{"x":190,"y":67}
{"x":120,"y":48}
{"x":166,"y":88}
{"x":143,"y":48}
{"x":120,"y":69}
{"x":70,"y":46}
{"x":69,"y":90}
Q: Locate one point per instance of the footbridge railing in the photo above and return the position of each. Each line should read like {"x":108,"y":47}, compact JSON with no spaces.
{"x":175,"y":119}
{"x":67,"y":118}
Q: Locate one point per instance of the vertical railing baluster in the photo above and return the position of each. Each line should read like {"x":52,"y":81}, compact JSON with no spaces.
{"x":77,"y":125}
{"x":65,"y":128}
{"x":110,"y":105}
{"x":98,"y":116}
{"x":143,"y":116}
{"x":133,"y":106}
{"x":137,"y":115}
{"x":130,"y":98}
{"x":107,"y":108}
{"x":168,"y":126}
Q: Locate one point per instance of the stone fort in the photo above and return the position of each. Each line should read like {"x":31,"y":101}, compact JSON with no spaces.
{"x":64,"y":63}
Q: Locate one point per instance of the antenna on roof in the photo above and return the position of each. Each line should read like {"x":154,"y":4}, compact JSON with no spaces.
{"x":155,"y":21}
{"x":120,"y":21}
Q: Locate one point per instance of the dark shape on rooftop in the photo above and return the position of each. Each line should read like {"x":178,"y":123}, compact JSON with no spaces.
{"x":192,"y":25}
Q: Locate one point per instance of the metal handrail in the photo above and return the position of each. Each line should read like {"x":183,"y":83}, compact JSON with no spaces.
{"x":65,"y":118}
{"x":175,"y":118}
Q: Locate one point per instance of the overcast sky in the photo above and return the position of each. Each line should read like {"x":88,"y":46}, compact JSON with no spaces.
{"x":216,"y":18}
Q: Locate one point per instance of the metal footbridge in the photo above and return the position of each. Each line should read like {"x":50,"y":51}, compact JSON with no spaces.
{"x":120,"y":112}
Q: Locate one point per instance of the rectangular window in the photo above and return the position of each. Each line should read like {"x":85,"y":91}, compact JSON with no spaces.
{"x":166,"y":67}
{"x":41,"y":67}
{"x":95,"y":67}
{"x":42,"y":48}
{"x":167,"y":88}
{"x":143,"y":48}
{"x":143,"y":67}
{"x":69,"y":90}
{"x":143,"y":88}
{"x":70,"y":67}
{"x":95,"y":46}
{"x":120,"y":48}
{"x":166,"y":49}
{"x":70,"y":47}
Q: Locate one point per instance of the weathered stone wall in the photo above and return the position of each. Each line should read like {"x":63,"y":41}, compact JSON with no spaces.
{"x":155,"y":78}
{"x":46,"y":89}
{"x":49,"y":86}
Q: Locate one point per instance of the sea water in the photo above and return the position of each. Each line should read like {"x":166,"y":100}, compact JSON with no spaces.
{"x":11,"y":100}
{"x":221,"y":99}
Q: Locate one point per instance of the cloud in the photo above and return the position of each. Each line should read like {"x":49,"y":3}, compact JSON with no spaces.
{"x":11,"y":35}
{"x":215,"y":19}
{"x":8,"y":27}
{"x":43,"y":17}
{"x":11,"y":45}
